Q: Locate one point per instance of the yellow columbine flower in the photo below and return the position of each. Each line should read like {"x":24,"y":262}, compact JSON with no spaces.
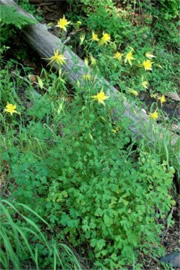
{"x":134,"y":92}
{"x":40,"y":82}
{"x":57,"y":58}
{"x":129,"y":58}
{"x":10,"y":108}
{"x":61,"y":106}
{"x":118,"y":55}
{"x":100,"y":97}
{"x":93,"y":60}
{"x":153,"y":115}
{"x":159,"y":66}
{"x":87,"y":77}
{"x":150,"y":55}
{"x":154,"y":95}
{"x":145,"y":84}
{"x":82,"y":38}
{"x":162,"y":99}
{"x":86,"y":62}
{"x":63,"y":23}
{"x":94,"y":37}
{"x":79,"y":23}
{"x":116,"y":129}
{"x":147,"y":65}
{"x":105,"y":39}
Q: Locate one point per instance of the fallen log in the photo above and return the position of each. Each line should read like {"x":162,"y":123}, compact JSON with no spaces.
{"x":45,"y":43}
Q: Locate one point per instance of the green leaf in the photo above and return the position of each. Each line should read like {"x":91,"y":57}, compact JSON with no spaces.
{"x":10,"y":15}
{"x":108,"y":220}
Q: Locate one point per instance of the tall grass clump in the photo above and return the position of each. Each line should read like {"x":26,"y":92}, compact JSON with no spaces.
{"x":23,"y":244}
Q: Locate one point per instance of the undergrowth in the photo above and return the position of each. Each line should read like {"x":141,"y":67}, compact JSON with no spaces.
{"x":24,"y":244}
{"x":10,"y":19}
{"x":82,"y":173}
{"x":74,"y":175}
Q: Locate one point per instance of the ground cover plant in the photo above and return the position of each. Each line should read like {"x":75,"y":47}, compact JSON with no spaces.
{"x":23,"y":243}
{"x":11,"y":19}
{"x":72,"y":175}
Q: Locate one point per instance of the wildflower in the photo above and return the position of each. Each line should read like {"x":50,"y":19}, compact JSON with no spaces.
{"x":10,"y":108}
{"x":149,"y":55}
{"x":61,"y":106}
{"x":159,"y":66}
{"x":105,"y":39}
{"x":129,"y":57}
{"x":79,"y":22}
{"x":93,"y":60}
{"x":154,"y":95}
{"x":118,"y":55}
{"x":94,"y":37}
{"x":40,"y":82}
{"x":63,"y":23}
{"x":135,"y":93}
{"x":82,"y":38}
{"x":116,"y":129}
{"x":87,"y":76}
{"x":100,"y":97}
{"x":145,"y":84}
{"x":86,"y":61}
{"x":77,"y":25}
{"x":153,"y":115}
{"x":162,"y":99}
{"x":147,"y":65}
{"x":58,"y":58}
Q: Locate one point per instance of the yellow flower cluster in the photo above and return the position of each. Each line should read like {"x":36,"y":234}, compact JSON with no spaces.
{"x":128,"y":58}
{"x":87,"y":77}
{"x":155,"y":115}
{"x":147,"y":64}
{"x":104,"y":39}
